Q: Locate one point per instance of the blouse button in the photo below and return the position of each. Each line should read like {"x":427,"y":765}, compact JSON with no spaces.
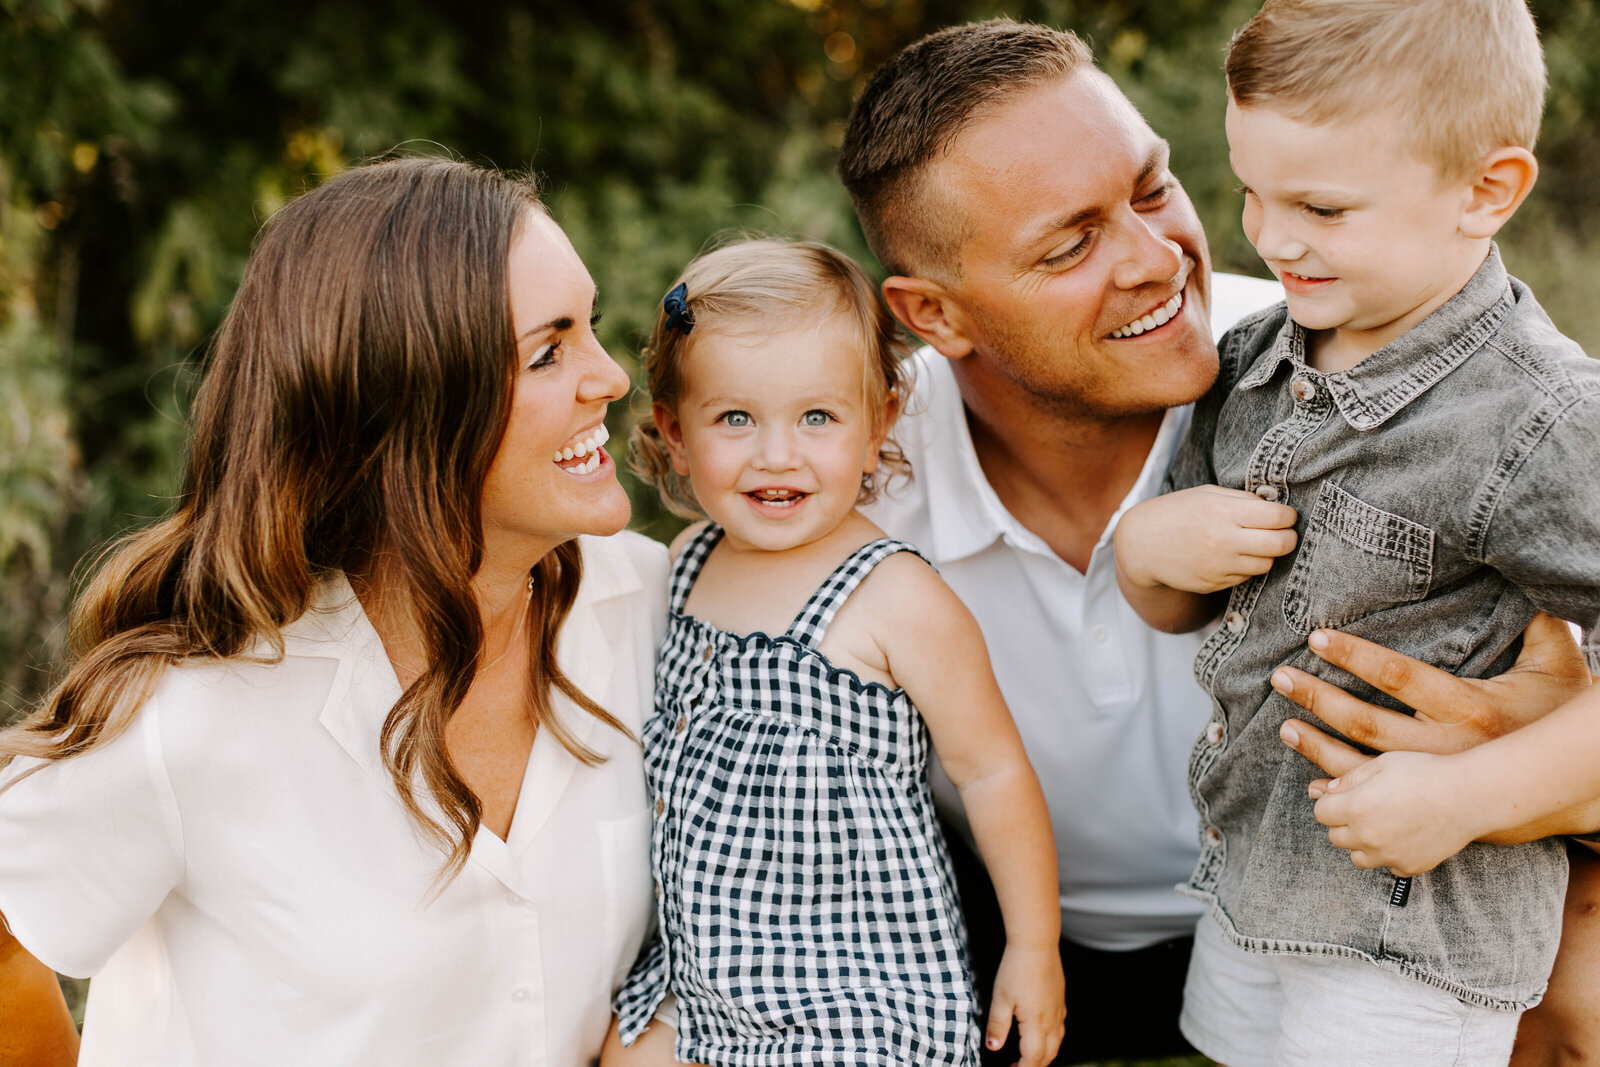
{"x":1269,"y":493}
{"x":1303,"y":390}
{"x":705,"y":652}
{"x":1214,"y":731}
{"x":1213,"y":836}
{"x":681,"y":725}
{"x":520,"y":993}
{"x":1234,"y":621}
{"x":661,"y":805}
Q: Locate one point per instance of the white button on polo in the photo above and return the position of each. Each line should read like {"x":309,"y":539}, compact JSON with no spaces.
{"x":1213,"y":836}
{"x":1214,"y":731}
{"x":1303,"y":390}
{"x":1269,"y":493}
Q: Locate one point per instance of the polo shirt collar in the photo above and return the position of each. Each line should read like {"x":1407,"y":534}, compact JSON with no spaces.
{"x":964,"y":511}
{"x":1374,"y":390}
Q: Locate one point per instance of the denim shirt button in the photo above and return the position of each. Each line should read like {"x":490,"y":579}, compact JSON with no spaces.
{"x":1303,"y":390}
{"x":1234,"y":622}
{"x":1214,"y":731}
{"x":1213,"y":836}
{"x":1269,"y":493}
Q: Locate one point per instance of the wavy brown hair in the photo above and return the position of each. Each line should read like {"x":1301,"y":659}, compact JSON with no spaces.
{"x":353,"y":399}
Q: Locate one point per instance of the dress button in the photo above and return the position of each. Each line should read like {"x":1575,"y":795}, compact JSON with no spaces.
{"x":1214,"y":731}
{"x":661,"y":805}
{"x":1234,"y":621}
{"x":1269,"y":493}
{"x":520,"y":993}
{"x":658,"y":890}
{"x":1213,"y":836}
{"x":705,"y":652}
{"x":1303,"y":390}
{"x":681,"y":725}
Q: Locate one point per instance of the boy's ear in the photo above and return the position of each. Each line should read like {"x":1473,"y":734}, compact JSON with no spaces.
{"x":671,"y":432}
{"x":1503,"y":181}
{"x":928,"y":310}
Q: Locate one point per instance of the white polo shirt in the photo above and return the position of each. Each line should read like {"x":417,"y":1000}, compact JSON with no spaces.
{"x":238,"y":874}
{"x":1108,"y":708}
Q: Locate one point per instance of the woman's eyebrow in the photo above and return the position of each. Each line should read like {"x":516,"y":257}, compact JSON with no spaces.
{"x":558,"y":325}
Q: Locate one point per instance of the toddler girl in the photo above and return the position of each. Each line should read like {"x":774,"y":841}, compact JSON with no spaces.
{"x":806,"y":906}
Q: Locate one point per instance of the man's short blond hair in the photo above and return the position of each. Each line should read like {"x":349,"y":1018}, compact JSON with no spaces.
{"x":1467,"y":76}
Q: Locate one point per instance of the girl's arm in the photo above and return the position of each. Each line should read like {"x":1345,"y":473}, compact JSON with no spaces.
{"x":35,"y":1028}
{"x":936,"y":653}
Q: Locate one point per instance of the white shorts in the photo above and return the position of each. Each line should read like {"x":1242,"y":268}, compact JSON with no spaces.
{"x":1250,"y":1009}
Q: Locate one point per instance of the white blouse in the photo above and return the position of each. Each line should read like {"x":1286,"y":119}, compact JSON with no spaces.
{"x":237,"y":873}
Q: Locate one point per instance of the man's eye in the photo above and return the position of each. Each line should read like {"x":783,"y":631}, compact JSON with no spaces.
{"x":1067,"y":255}
{"x":1157,"y":196}
{"x":736,"y":418}
{"x":815,"y":418}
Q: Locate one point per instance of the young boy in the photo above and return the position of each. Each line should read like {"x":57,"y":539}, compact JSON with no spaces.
{"x":1407,"y":451}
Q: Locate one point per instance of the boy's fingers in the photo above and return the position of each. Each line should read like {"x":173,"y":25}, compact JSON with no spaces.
{"x":1030,"y":1047}
{"x":1330,"y":754}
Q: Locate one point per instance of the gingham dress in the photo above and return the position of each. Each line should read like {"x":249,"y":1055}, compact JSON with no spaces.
{"x":805,"y":898}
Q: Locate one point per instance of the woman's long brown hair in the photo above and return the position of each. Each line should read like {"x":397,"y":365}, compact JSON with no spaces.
{"x":355,"y":395}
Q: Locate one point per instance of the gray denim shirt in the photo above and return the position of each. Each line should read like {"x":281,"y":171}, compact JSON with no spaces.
{"x":1448,"y":487}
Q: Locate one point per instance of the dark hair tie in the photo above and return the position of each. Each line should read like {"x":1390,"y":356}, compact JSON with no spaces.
{"x":676,"y":304}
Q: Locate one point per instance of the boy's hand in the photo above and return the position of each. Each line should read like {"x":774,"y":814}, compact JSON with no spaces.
{"x":1204,"y":539}
{"x":1407,"y":811}
{"x":1029,"y":987}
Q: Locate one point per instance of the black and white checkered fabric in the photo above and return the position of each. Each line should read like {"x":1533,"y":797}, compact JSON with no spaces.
{"x":806,"y":903}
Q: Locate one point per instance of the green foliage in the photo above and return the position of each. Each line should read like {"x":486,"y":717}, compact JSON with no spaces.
{"x":142,"y":143}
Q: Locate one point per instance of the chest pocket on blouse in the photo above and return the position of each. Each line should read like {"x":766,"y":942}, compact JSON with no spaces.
{"x":1356,"y":559}
{"x":625,"y":862}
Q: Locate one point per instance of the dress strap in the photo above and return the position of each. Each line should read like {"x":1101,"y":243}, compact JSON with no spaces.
{"x":686,"y":568}
{"x":812,"y":622}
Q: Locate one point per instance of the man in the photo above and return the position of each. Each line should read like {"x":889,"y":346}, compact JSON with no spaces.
{"x":1037,"y":242}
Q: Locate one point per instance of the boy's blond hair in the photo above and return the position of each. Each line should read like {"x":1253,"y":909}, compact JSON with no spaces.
{"x":761,"y":285}
{"x":1467,"y":76}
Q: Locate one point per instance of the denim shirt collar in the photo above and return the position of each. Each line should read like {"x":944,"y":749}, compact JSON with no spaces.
{"x":1372,"y":391}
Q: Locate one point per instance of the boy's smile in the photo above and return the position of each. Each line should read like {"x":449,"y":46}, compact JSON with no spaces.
{"x":1365,"y":237}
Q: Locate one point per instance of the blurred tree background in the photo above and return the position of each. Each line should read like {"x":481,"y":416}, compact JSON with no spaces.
{"x":143,"y":142}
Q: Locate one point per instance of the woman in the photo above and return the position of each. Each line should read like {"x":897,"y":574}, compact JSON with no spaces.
{"x":345,"y":771}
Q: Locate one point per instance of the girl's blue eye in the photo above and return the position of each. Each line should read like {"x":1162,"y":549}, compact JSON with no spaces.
{"x":815,"y":418}
{"x":736,"y":419}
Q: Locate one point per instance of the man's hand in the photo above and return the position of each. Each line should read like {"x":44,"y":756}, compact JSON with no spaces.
{"x":1452,"y":714}
{"x":1410,"y":810}
{"x":1202,"y":540}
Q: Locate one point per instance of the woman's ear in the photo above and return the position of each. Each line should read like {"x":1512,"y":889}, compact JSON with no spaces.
{"x":1502,"y":182}
{"x":671,"y":432}
{"x":928,"y":310}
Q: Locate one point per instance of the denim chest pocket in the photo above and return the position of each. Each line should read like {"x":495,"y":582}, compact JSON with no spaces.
{"x":1356,"y":559}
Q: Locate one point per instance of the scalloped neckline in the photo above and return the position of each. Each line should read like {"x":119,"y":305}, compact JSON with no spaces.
{"x":784,"y":638}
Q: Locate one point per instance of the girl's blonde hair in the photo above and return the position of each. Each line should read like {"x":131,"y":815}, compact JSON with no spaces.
{"x":746,"y":286}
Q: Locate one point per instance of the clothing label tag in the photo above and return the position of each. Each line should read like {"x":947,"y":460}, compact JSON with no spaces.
{"x":1400,"y":893}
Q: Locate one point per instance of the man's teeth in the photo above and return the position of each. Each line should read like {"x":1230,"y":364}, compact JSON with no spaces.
{"x":1159,"y":317}
{"x":584,"y":447}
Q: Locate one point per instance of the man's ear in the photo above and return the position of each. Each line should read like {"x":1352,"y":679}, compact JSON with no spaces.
{"x":671,"y":432}
{"x":927,"y":309}
{"x":1502,"y":183}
